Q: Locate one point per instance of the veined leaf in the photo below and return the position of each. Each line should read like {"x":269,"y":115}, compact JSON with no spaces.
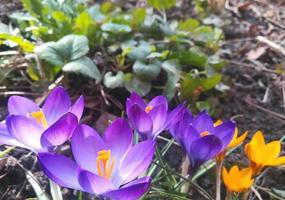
{"x":26,"y":45}
{"x":115,"y":81}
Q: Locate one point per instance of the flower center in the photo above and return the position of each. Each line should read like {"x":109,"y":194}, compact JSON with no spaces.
{"x":105,"y":164}
{"x":39,"y":116}
{"x":148,"y":109}
{"x":205,"y":133}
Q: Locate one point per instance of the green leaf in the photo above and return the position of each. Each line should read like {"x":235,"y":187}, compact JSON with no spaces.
{"x":4,"y":28}
{"x":146,"y":72}
{"x":60,"y":17}
{"x":193,"y":86}
{"x":192,"y":57}
{"x":96,"y":13}
{"x":116,"y":28}
{"x":173,"y":76}
{"x":134,"y":84}
{"x":83,"y":65}
{"x":161,"y":4}
{"x":41,"y":195}
{"x":34,"y":7}
{"x":189,"y":25}
{"x":85,"y":25}
{"x":140,"y":51}
{"x":70,"y":47}
{"x":138,"y":16}
{"x":26,"y":45}
{"x":115,"y":81}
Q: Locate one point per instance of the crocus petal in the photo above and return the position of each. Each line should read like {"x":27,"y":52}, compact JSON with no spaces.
{"x":60,"y":169}
{"x":118,"y":137}
{"x":56,"y":105}
{"x":158,"y":100}
{"x":85,"y":144}
{"x":225,"y":132}
{"x":26,"y":130}
{"x":202,"y":150}
{"x":140,"y":121}
{"x":60,"y":131}
{"x":158,"y":115}
{"x":137,"y":160}
{"x":203,"y":122}
{"x":18,"y":105}
{"x":93,"y":183}
{"x":136,"y":99}
{"x":131,"y":191}
{"x":78,"y":107}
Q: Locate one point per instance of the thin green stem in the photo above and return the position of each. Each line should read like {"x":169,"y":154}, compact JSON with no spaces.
{"x":219,"y":165}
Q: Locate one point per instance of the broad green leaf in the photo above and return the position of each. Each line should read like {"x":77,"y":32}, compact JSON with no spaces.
{"x":84,"y":24}
{"x":189,"y":25}
{"x":161,"y":4}
{"x":138,"y":16}
{"x":70,"y":47}
{"x":211,"y":82}
{"x":140,"y":51}
{"x":173,"y":76}
{"x":134,"y":84}
{"x":115,"y":81}
{"x":96,"y":14}
{"x":146,"y":71}
{"x":26,"y":45}
{"x":83,"y":65}
{"x":60,"y":17}
{"x":116,"y":28}
{"x":192,"y":57}
{"x":34,"y":7}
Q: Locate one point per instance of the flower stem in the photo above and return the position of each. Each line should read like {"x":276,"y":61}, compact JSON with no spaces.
{"x":229,"y":195}
{"x":219,"y":165}
{"x":184,"y":172}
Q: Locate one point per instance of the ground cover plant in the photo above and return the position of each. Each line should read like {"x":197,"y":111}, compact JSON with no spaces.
{"x":140,"y":100}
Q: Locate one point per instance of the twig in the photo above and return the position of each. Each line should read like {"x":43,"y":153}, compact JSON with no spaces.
{"x":271,"y":44}
{"x":260,"y":68}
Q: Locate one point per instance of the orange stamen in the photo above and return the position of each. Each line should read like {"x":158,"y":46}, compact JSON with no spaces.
{"x":148,"y":109}
{"x":39,"y":116}
{"x":205,"y":133}
{"x":104,"y":167}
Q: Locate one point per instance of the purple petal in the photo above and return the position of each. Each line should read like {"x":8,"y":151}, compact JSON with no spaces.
{"x":130,"y":191}
{"x":118,"y":137}
{"x":157,"y":101}
{"x":136,"y":99}
{"x":203,"y":122}
{"x":60,"y":169}
{"x":93,"y":183}
{"x":78,"y":107}
{"x":60,"y":131}
{"x":202,"y":150}
{"x":185,"y":135}
{"x":140,"y":121}
{"x":57,"y":104}
{"x":137,"y":160}
{"x":158,"y":115}
{"x":18,"y":105}
{"x":25,"y":130}
{"x":225,"y":132}
{"x":85,"y":144}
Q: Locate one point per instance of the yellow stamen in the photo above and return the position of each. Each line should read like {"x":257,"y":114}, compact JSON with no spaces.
{"x":148,"y":109}
{"x":104,"y":166}
{"x":205,"y":133}
{"x":39,"y":116}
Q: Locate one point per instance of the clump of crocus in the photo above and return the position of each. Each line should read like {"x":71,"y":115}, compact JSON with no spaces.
{"x":107,"y":166}
{"x":237,"y":180}
{"x":203,"y":141}
{"x":148,"y":119}
{"x":40,"y":129}
{"x":261,"y":155}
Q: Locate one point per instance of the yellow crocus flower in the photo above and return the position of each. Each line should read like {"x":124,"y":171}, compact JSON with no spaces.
{"x":237,"y":180}
{"x":261,"y":155}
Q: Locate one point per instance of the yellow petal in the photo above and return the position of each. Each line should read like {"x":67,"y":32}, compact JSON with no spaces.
{"x":218,"y":122}
{"x":278,"y":161}
{"x":258,"y":138}
{"x":272,"y":150}
{"x":237,"y":140}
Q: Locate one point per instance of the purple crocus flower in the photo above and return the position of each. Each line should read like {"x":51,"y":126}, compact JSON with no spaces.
{"x":40,"y":129}
{"x":201,"y":139}
{"x":107,"y":166}
{"x":149,"y":119}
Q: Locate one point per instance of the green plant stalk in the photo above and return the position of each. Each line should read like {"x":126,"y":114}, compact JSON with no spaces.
{"x":6,"y":151}
{"x":229,"y":195}
{"x":219,"y":165}
{"x":184,"y":172}
{"x":55,"y":191}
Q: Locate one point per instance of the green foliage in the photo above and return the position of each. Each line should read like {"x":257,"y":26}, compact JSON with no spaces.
{"x":141,"y":43}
